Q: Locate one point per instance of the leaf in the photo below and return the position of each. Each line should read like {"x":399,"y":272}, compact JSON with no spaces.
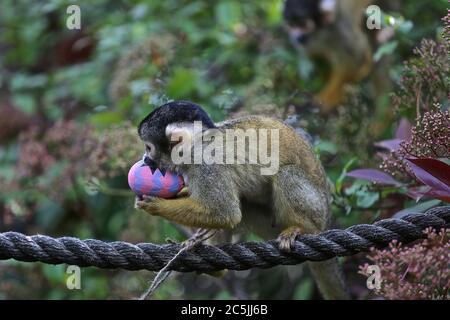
{"x":421,"y":207}
{"x":228,"y":13}
{"x":385,"y":49}
{"x":374,"y":176}
{"x":390,"y":145}
{"x":359,"y":191}
{"x":367,"y":199}
{"x":274,"y":14}
{"x":326,"y":146}
{"x":403,"y":131}
{"x":182,"y":83}
{"x":405,"y":26}
{"x":431,"y":172}
{"x":439,"y":194}
{"x":25,"y":103}
{"x":417,"y":193}
{"x":426,"y":191}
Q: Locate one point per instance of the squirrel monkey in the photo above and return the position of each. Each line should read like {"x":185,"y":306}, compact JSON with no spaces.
{"x":332,"y":30}
{"x":292,"y":200}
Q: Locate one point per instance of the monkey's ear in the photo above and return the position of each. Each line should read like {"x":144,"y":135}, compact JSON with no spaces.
{"x":328,"y":11}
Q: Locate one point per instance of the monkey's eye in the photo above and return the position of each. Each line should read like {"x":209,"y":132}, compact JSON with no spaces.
{"x":148,"y":148}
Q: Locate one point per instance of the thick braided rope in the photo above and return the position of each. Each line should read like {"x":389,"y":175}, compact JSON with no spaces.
{"x":206,"y":258}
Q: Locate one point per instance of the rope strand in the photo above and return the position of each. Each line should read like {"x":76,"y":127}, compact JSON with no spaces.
{"x":206,"y":258}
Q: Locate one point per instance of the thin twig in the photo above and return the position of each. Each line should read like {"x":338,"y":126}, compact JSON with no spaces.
{"x":199,"y":236}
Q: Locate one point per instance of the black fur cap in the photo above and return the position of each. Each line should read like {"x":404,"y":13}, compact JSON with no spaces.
{"x":297,"y":11}
{"x":153,"y":126}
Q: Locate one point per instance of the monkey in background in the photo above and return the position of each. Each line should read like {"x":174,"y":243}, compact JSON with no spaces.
{"x":332,"y":30}
{"x":294,"y":200}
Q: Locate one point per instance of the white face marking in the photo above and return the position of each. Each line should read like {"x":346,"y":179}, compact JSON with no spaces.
{"x":298,"y":32}
{"x":179,"y":126}
{"x":327,"y":5}
{"x":150,"y":149}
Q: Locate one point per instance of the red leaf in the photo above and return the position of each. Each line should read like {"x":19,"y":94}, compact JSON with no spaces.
{"x":417,"y":192}
{"x":438,"y":194}
{"x":425,"y":191}
{"x":390,"y":145}
{"x":374,"y":176}
{"x":403,"y":131}
{"x":432,"y":172}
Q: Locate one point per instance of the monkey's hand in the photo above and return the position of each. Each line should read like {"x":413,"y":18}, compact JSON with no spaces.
{"x":190,"y":212}
{"x":146,"y":203}
{"x":183,"y":193}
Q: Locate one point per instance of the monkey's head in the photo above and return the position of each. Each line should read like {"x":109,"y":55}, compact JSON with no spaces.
{"x":303,"y":17}
{"x":166,"y":128}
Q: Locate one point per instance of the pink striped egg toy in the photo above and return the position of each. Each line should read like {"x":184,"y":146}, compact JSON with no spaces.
{"x":145,"y":182}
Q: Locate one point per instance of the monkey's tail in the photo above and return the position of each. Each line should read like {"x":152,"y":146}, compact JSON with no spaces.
{"x":330,"y":279}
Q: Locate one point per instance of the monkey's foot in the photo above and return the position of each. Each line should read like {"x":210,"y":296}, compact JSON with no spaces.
{"x":287,"y":238}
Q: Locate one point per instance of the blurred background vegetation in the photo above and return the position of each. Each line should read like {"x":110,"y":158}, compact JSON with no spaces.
{"x":70,"y":101}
